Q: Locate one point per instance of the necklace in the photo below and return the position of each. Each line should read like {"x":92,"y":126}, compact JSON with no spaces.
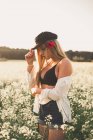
{"x":50,"y":64}
{"x":47,"y":64}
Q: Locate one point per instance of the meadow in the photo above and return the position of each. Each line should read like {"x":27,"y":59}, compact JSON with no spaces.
{"x":18,"y":122}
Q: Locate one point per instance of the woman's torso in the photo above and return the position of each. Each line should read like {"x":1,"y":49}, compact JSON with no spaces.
{"x":48,"y":79}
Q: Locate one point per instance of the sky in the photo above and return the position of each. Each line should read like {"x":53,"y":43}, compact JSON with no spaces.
{"x":22,"y":20}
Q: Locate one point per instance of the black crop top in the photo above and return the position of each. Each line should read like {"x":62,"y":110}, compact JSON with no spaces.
{"x":49,"y":77}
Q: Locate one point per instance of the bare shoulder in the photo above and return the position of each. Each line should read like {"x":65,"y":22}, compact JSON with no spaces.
{"x":65,"y":67}
{"x":65,"y":61}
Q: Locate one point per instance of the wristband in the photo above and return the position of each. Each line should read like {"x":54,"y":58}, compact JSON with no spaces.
{"x":30,"y":65}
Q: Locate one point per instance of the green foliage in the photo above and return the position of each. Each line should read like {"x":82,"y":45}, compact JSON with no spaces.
{"x":81,"y":99}
{"x":82,"y":114}
{"x":17,"y":118}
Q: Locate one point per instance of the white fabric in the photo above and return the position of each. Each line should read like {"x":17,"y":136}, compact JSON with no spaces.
{"x":31,"y":77}
{"x":58,"y":94}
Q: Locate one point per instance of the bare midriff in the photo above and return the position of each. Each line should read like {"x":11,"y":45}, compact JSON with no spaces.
{"x":43,"y":86}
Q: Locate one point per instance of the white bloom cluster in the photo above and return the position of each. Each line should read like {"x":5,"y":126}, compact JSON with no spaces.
{"x":48,"y":119}
{"x":16,"y":103}
{"x":25,"y":131}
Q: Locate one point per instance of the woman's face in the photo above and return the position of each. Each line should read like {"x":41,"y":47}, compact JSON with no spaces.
{"x":45,"y":52}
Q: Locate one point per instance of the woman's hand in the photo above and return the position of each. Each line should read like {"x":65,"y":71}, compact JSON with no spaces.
{"x":29,"y":57}
{"x":35,"y":91}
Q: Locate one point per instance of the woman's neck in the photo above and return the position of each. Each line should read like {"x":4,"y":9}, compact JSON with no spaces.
{"x":54,"y":60}
{"x":50,"y":63}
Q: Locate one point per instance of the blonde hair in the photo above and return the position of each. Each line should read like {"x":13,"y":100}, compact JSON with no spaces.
{"x":58,"y":53}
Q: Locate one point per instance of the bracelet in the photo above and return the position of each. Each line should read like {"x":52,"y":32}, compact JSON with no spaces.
{"x":30,"y":65}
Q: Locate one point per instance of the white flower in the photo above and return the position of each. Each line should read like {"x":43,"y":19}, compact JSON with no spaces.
{"x":62,"y":126}
{"x":25,"y":130}
{"x":56,"y":126}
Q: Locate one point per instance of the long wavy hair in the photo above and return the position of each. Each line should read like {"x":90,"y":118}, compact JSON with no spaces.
{"x":57,"y":52}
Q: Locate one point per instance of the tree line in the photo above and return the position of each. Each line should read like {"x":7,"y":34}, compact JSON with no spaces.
{"x":18,"y":54}
{"x":80,"y":56}
{"x":11,"y":53}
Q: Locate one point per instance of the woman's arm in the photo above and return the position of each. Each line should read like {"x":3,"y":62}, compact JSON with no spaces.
{"x":32,"y":77}
{"x":31,"y":71}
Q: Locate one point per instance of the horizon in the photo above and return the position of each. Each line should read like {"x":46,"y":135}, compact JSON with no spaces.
{"x":22,"y":21}
{"x":28,"y":49}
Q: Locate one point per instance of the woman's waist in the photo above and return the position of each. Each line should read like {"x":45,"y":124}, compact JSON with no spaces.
{"x":46,"y":100}
{"x":43,"y":86}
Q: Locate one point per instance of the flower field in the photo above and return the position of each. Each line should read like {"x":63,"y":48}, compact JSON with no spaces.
{"x":18,"y":122}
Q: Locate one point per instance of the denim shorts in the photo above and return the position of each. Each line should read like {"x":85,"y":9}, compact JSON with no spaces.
{"x":50,"y":108}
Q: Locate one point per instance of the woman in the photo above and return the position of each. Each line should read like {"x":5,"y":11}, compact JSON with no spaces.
{"x":50,"y":85}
